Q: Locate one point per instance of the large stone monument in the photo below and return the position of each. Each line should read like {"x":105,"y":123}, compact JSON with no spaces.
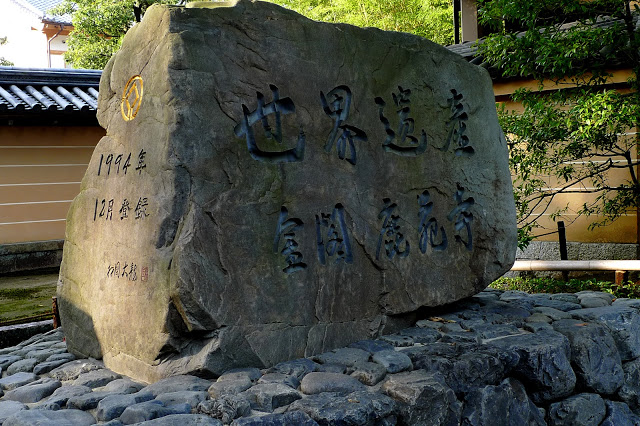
{"x":271,"y":187}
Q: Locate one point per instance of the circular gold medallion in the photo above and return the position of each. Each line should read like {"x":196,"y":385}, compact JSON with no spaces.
{"x":131,"y":98}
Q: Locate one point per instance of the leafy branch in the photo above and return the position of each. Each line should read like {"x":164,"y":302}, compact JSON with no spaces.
{"x":3,"y":61}
{"x":581,"y":135}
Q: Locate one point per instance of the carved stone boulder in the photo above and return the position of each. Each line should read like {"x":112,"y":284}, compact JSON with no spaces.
{"x":271,"y":187}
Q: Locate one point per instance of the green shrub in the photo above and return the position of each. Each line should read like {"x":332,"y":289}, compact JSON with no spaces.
{"x":20,"y":302}
{"x":550,"y":285}
{"x":18,"y":293}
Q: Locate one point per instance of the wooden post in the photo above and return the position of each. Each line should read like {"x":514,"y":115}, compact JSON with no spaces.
{"x":621,"y":277}
{"x":562,"y":239}
{"x":56,"y":314}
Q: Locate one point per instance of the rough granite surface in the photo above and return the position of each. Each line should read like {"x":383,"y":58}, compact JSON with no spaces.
{"x":499,"y":370}
{"x":271,"y":188}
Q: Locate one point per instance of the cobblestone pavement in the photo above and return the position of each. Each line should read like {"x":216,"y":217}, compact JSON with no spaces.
{"x":498,"y":358}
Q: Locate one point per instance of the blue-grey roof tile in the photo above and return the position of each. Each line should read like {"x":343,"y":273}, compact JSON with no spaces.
{"x":44,"y":6}
{"x":25,"y":90}
{"x":469,"y":49}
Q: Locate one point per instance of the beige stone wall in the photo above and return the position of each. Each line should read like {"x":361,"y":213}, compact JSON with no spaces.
{"x":40,"y":173}
{"x":625,"y":230}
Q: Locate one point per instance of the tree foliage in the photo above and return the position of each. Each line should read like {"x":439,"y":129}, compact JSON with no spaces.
{"x":100,"y":25}
{"x":3,"y":61}
{"x":432,"y":19}
{"x":573,"y":138}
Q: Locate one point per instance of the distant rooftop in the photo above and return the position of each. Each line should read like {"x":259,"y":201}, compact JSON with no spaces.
{"x":469,"y":49}
{"x":45,"y":95}
{"x":43,"y":6}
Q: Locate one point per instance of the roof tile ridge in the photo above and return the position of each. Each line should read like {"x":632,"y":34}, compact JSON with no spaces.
{"x":29,"y":7}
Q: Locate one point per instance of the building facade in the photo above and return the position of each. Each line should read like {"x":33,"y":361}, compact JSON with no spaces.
{"x":48,"y":130}
{"x":619,"y":240}
{"x":35,"y":39}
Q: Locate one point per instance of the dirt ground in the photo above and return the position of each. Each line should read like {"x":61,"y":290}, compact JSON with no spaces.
{"x":26,"y":295}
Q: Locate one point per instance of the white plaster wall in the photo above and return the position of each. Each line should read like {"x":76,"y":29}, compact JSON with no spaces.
{"x":59,"y":43}
{"x":27,"y":44}
{"x":57,"y":61}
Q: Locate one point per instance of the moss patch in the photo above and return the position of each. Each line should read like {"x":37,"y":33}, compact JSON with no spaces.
{"x":550,"y":285}
{"x":22,"y":297}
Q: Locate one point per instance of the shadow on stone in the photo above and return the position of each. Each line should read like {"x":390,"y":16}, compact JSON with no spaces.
{"x":82,"y":340}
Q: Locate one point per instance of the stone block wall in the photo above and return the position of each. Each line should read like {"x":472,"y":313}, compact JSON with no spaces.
{"x":37,"y":256}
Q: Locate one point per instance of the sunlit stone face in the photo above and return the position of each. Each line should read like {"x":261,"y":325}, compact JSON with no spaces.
{"x":272,"y":187}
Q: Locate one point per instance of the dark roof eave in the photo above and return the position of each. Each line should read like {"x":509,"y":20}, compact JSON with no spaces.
{"x":49,"y":119}
{"x":46,"y":96}
{"x":469,"y":51}
{"x":474,"y":58}
{"x":49,"y":76}
{"x":56,"y":21}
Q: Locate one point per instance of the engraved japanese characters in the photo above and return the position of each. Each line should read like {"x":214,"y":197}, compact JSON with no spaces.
{"x":282,"y":188}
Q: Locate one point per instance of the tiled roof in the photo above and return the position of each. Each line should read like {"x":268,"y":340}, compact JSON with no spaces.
{"x":466,"y":49}
{"x":26,"y":92}
{"x":469,"y":49}
{"x":43,"y":7}
{"x":58,"y":19}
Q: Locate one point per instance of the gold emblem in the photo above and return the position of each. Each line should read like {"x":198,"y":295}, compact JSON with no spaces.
{"x":131,"y":98}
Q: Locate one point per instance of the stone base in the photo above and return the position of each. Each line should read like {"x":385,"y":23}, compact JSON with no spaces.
{"x":548,"y":250}
{"x":208,"y":359}
{"x":36,"y":256}
{"x":498,"y":358}
{"x":13,"y":334}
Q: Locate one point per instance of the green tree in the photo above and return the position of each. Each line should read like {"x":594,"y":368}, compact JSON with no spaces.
{"x":432,"y":19}
{"x":100,"y":25}
{"x":98,"y":28}
{"x":571,"y":139}
{"x":3,"y":61}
